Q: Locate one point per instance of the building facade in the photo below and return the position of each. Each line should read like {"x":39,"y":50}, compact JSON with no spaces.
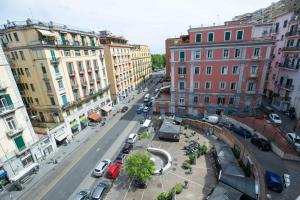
{"x":60,"y":72}
{"x":220,"y":69}
{"x":17,"y":134}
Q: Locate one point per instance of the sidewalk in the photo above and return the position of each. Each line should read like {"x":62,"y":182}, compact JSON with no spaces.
{"x":61,"y":155}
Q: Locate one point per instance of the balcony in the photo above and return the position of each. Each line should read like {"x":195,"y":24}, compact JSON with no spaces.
{"x":50,"y":92}
{"x":89,"y":70}
{"x":250,"y":92}
{"x":45,"y":77}
{"x":91,"y":82}
{"x":3,"y":86}
{"x":98,"y":79}
{"x":17,"y":78}
{"x":14,"y":132}
{"x":71,"y":73}
{"x":81,"y":72}
{"x":74,"y":86}
{"x":287,"y":66}
{"x":96,"y":68}
{"x":7,"y":109}
{"x":287,"y":87}
{"x":291,"y":48}
{"x":54,"y":60}
{"x":253,"y":75}
{"x":181,"y":75}
{"x":181,"y":59}
{"x":83,"y":83}
{"x":292,"y":33}
{"x":256,"y":58}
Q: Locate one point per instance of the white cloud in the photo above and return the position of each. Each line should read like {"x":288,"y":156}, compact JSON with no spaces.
{"x":141,"y":21}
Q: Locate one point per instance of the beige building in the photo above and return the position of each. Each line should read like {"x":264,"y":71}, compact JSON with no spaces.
{"x":127,"y":65}
{"x":16,"y":134}
{"x":61,"y":75}
{"x":141,"y":63}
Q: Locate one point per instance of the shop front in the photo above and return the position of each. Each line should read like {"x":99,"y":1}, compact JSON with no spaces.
{"x":74,"y":126}
{"x":83,"y":121}
{"x":94,"y":117}
{"x":106,"y":109}
{"x":61,"y":139}
{"x":3,"y":178}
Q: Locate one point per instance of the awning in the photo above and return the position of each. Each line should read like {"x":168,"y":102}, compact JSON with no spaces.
{"x":61,"y":137}
{"x":74,"y":126}
{"x":24,"y":171}
{"x":2,"y":173}
{"x":146,"y":123}
{"x":46,"y":33}
{"x":95,"y":117}
{"x":106,"y":108}
{"x":84,"y":120}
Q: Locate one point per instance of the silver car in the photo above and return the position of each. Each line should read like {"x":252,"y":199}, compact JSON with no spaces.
{"x":101,"y":167}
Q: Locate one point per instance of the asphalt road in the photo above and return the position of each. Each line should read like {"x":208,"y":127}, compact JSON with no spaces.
{"x":72,"y":179}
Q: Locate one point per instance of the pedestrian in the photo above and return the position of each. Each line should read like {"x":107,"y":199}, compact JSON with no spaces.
{"x":161,"y":171}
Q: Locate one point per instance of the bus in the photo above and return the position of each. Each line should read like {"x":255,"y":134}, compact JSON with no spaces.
{"x":147,"y":98}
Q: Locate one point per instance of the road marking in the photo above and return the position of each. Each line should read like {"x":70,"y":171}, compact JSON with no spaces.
{"x":128,"y":189}
{"x":143,"y":193}
{"x":162,"y":185}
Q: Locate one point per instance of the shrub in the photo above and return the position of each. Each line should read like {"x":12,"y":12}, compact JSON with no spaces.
{"x":186,"y":165}
{"x":186,"y":126}
{"x":203,"y":149}
{"x":236,"y":153}
{"x":192,"y":158}
{"x":178,"y":188}
{"x":165,"y":196}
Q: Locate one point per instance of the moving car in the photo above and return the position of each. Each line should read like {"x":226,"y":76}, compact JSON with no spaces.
{"x":124,"y":109}
{"x":101,"y":189}
{"x":140,"y":109}
{"x":149,"y":104}
{"x":101,"y":167}
{"x":121,"y":158}
{"x":294,"y":139}
{"x":261,"y":143}
{"x":275,"y":118}
{"x":273,"y":181}
{"x":127,"y":148}
{"x":147,"y":98}
{"x":113,"y":171}
{"x":132,"y":138}
{"x":156,"y":90}
{"x":242,"y":131}
{"x":146,"y":109}
{"x":213,"y":119}
{"x":82,"y":195}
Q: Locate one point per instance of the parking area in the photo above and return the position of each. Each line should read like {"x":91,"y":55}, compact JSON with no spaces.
{"x":200,"y":181}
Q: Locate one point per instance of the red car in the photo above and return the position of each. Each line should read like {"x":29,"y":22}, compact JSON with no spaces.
{"x":113,"y":171}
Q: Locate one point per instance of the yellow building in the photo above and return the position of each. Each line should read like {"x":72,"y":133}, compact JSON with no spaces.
{"x":17,"y":135}
{"x":60,"y":72}
{"x":127,"y":65}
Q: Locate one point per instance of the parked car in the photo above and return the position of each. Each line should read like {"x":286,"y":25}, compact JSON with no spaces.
{"x":261,"y":143}
{"x":82,"y":195}
{"x":140,"y":109}
{"x":132,"y":138}
{"x":124,"y":109}
{"x":113,"y":171}
{"x":294,"y":139}
{"x":213,"y":119}
{"x":92,"y":124}
{"x":149,"y":103}
{"x":156,"y":90}
{"x":138,"y":184}
{"x":101,"y":167}
{"x":146,"y":109}
{"x":275,"y":118}
{"x":127,"y":148}
{"x":121,"y":158}
{"x":152,"y":98}
{"x":242,"y":131}
{"x":101,"y":189}
{"x":273,"y":181}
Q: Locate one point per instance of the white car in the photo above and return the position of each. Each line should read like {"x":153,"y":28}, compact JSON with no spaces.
{"x":294,"y":139}
{"x":213,"y":119}
{"x":146,"y":109}
{"x":275,"y":118}
{"x":101,"y":167}
{"x":132,"y":138}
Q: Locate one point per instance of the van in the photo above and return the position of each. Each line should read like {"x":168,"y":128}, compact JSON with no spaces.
{"x":132,"y":138}
{"x":146,"y":98}
{"x":213,"y":119}
{"x":113,"y":171}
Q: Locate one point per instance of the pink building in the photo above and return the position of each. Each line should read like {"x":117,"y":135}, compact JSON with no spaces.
{"x":220,"y":69}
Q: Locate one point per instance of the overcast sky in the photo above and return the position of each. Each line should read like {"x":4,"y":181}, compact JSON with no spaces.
{"x":140,"y":21}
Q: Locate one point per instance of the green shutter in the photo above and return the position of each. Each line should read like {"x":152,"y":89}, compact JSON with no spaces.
{"x":82,"y":40}
{"x":210,"y":37}
{"x":182,"y":55}
{"x":92,"y":42}
{"x":52,"y":54}
{"x":198,"y":37}
{"x":227,"y":35}
{"x":8,"y":99}
{"x":20,"y":143}
{"x":70,"y":68}
{"x":240,"y":35}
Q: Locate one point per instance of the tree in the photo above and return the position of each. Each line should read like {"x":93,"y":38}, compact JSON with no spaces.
{"x":158,"y":61}
{"x":140,"y":165}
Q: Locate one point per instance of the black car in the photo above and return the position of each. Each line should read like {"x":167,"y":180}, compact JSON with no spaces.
{"x":121,"y":158}
{"x":127,"y":148}
{"x":261,"y":143}
{"x":149,"y":104}
{"x":124,"y":109}
{"x":139,"y":184}
{"x":241,"y":131}
{"x":101,"y":189}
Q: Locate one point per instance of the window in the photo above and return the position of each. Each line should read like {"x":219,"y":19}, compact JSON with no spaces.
{"x":16,"y":55}
{"x":208,"y":70}
{"x":27,"y":72}
{"x":196,"y":85}
{"x":276,"y":27}
{"x":251,"y":86}
{"x":95,"y":63}
{"x":237,"y":53}
{"x":182,"y":56}
{"x":64,"y":99}
{"x":221,"y":100}
{"x":197,"y":55}
{"x":198,"y":37}
{"x":239,"y":35}
{"x":52,"y":100}
{"x":285,"y":23}
{"x":253,"y":70}
{"x":225,"y":53}
{"x":37,"y":101}
{"x":207,"y":85}
{"x":11,"y":123}
{"x":197,"y":70}
{"x":16,"y":37}
{"x":235,"y":70}
{"x":222,"y":85}
{"x":48,"y":86}
{"x":77,"y":53}
{"x":60,"y":84}
{"x":209,"y":53}
{"x":210,"y":37}
{"x":181,"y":70}
{"x":233,"y":85}
{"x":206,"y":99}
{"x":43,"y":69}
{"x":256,"y":52}
{"x":22,"y":55}
{"x":181,"y":101}
{"x":181,"y":85}
{"x":67,"y":53}
{"x":196,"y":99}
{"x":32,"y":87}
{"x":56,"y":69}
{"x":26,"y":86}
{"x":231,"y":100}
{"x":20,"y":143}
{"x":224,"y":70}
{"x":70,"y":68}
{"x":86,"y":52}
{"x":227,"y":35}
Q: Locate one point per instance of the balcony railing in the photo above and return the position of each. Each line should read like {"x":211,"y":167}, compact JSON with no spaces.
{"x":256,"y":58}
{"x":287,"y":87}
{"x":15,"y":132}
{"x":288,"y":66}
{"x":291,"y":48}
{"x":83,"y":83}
{"x":250,"y":91}
{"x":292,"y":33}
{"x":181,"y":75}
{"x":74,"y":86}
{"x":181,"y":59}
{"x":55,"y":60}
{"x":7,"y":109}
{"x":71,"y":73}
{"x":253,"y":75}
{"x":81,"y":72}
{"x":89,"y":70}
{"x":91,"y":81}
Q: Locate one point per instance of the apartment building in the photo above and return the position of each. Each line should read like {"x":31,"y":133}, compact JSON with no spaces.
{"x":17,"y":134}
{"x":283,"y":82}
{"x":61,"y":74}
{"x":127,"y":65}
{"x":220,"y":69}
{"x":141,"y":64}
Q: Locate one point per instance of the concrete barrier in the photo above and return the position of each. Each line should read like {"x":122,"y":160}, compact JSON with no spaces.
{"x":165,"y":154}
